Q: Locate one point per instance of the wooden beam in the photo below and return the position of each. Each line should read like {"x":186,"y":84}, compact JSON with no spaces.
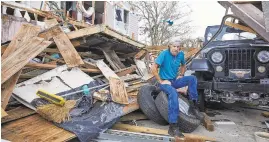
{"x":18,"y":59}
{"x":117,"y":87}
{"x":123,"y":37}
{"x":241,"y":27}
{"x":86,"y":31}
{"x":50,"y":23}
{"x":17,"y":113}
{"x":3,"y":113}
{"x":141,"y":54}
{"x":79,"y":24}
{"x":26,"y":32}
{"x":127,"y":71}
{"x":51,"y":66}
{"x":29,"y":9}
{"x":208,"y":123}
{"x":68,"y":51}
{"x":132,"y":128}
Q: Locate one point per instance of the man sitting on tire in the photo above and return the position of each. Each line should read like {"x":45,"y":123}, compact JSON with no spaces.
{"x":171,"y":63}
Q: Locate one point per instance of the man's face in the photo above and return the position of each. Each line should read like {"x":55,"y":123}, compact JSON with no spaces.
{"x":174,"y":49}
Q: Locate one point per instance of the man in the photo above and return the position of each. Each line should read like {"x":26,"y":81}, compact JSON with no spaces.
{"x":171,"y":64}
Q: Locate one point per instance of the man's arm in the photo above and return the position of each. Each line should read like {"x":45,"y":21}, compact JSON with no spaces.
{"x":154,"y":70}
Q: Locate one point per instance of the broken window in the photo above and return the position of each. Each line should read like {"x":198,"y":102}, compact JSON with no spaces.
{"x":126,"y":16}
{"x":118,"y":14}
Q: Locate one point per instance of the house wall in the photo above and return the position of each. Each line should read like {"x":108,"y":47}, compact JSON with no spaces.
{"x":111,"y":21}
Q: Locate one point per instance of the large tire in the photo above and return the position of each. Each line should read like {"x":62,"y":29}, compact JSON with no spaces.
{"x":187,"y":122}
{"x":146,"y":96}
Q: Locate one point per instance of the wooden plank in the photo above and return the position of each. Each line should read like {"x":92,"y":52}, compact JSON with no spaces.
{"x":132,"y":128}
{"x":241,"y":27}
{"x":7,"y":89}
{"x":117,"y":87}
{"x":52,"y":66}
{"x":50,"y":33}
{"x":118,"y":91}
{"x":113,"y":59}
{"x":18,"y":59}
{"x":68,"y":51}
{"x":3,"y":113}
{"x":141,"y":54}
{"x":265,"y":114}
{"x":128,"y":70}
{"x":86,"y":31}
{"x":122,"y":37}
{"x":208,"y":123}
{"x":265,"y":8}
{"x":50,"y":23}
{"x":17,"y":113}
{"x":29,"y":9}
{"x":26,"y":32}
{"x":3,"y":48}
{"x":34,"y":128}
{"x":79,"y":24}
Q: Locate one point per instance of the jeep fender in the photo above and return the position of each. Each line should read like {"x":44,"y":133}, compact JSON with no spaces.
{"x":201,"y":65}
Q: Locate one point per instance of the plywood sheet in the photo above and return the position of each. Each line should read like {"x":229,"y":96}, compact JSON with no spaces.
{"x":34,"y":128}
{"x":18,"y":59}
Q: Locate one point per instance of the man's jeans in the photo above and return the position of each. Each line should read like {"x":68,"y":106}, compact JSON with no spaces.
{"x":170,"y":90}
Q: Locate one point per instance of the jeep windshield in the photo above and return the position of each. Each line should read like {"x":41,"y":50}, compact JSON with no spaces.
{"x":227,"y":34}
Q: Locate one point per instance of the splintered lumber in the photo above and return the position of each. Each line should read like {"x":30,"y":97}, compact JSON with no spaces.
{"x":50,"y":23}
{"x":132,"y":128}
{"x":26,"y":32}
{"x":117,"y":88}
{"x":208,"y":123}
{"x":17,"y":113}
{"x":68,"y":51}
{"x":18,"y":59}
{"x":113,"y":59}
{"x":140,"y":54}
{"x":265,"y":114}
{"x":34,"y":128}
{"x":3,"y":113}
{"x":52,"y":66}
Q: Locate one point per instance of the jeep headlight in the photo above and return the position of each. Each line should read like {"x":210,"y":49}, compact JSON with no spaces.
{"x":263,"y":56}
{"x":216,"y":57}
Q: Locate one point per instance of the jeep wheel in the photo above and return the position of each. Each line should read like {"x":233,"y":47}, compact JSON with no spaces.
{"x":146,"y":97}
{"x":187,"y":122}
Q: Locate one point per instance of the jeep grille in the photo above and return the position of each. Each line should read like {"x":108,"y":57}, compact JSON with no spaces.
{"x":239,"y":59}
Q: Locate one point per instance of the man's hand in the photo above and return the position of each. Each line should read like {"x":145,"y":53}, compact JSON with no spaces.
{"x":178,"y":77}
{"x":166,"y":82}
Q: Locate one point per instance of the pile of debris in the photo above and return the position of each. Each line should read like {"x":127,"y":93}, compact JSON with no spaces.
{"x":82,"y":80}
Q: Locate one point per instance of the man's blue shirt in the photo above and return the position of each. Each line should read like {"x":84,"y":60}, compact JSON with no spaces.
{"x":169,"y":64}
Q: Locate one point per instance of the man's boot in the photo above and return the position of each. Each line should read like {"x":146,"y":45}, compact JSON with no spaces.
{"x":174,"y":131}
{"x":194,"y":109}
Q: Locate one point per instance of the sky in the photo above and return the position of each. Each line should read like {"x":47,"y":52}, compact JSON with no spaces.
{"x":204,"y":13}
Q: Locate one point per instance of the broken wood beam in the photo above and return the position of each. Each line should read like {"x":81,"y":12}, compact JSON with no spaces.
{"x":121,"y":72}
{"x":207,"y":122}
{"x":132,"y":128}
{"x":26,"y":32}
{"x":17,"y":113}
{"x":141,"y":54}
{"x":3,"y":113}
{"x":31,"y":10}
{"x":51,"y":66}
{"x":117,"y":87}
{"x":18,"y":59}
{"x":67,"y":50}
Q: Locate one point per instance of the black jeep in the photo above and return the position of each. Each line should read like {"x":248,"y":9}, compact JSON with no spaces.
{"x":233,"y":67}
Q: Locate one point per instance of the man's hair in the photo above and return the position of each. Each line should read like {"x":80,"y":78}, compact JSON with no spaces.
{"x":173,"y":43}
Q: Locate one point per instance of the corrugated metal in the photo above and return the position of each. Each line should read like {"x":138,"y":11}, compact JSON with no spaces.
{"x":133,"y":26}
{"x":109,"y":15}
